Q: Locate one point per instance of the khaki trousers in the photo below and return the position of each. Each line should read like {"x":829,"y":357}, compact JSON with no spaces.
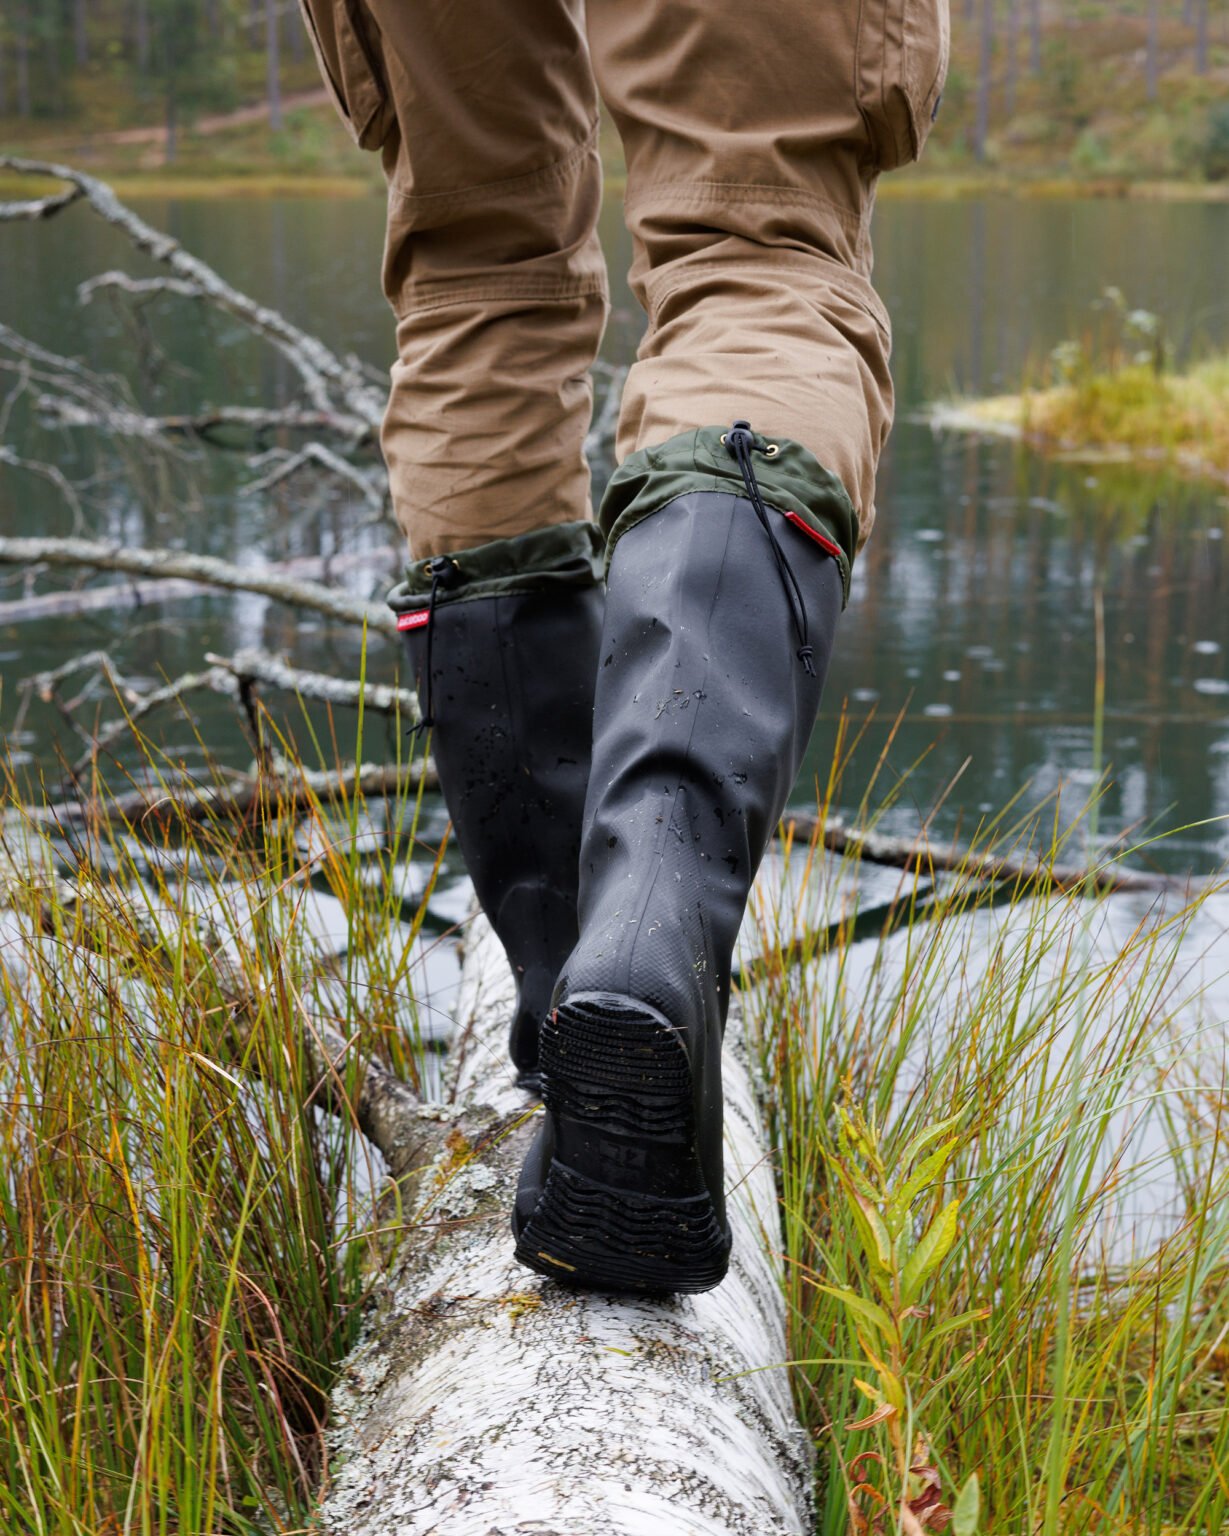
{"x":754,"y":132}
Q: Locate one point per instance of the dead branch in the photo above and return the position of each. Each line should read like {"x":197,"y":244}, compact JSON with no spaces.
{"x":232,"y":677}
{"x":54,"y":475}
{"x":253,"y":666}
{"x":75,"y":396}
{"x":143,"y":288}
{"x":210,"y":425}
{"x":234,"y":797}
{"x":49,"y":605}
{"x":925,"y":855}
{"x":214,"y":680}
{"x":329,"y":381}
{"x":371,"y":486}
{"x":388,"y":1111}
{"x":82,"y":396}
{"x":40,"y":207}
{"x":204,"y":569}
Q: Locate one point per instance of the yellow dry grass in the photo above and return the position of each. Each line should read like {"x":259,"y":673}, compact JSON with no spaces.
{"x":1177,"y":419}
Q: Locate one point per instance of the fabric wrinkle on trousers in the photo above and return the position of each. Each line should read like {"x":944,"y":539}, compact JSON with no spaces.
{"x":754,"y":132}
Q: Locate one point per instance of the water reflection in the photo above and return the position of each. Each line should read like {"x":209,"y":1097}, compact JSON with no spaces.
{"x":972,"y":616}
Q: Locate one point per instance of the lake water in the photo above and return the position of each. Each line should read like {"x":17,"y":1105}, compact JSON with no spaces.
{"x":972,"y":618}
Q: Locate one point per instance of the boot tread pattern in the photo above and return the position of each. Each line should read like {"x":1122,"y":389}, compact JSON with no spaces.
{"x":619,"y":1070}
{"x":624,"y":1206}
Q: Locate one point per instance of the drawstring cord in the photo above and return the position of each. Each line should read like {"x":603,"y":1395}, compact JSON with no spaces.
{"x":444,"y":573}
{"x":740,"y":441}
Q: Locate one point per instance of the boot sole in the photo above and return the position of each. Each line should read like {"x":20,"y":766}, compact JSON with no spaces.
{"x":624,"y":1206}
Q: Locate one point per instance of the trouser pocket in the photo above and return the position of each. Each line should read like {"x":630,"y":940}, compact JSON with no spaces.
{"x":901,"y":64}
{"x":346,"y":40}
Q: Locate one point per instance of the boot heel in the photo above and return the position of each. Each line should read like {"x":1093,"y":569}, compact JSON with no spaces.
{"x":624,"y":1205}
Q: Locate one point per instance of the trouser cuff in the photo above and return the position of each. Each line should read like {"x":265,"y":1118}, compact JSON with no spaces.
{"x":791,"y":480}
{"x":564,"y":555}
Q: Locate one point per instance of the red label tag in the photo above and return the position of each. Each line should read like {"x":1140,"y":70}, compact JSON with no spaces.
{"x":414,"y":620}
{"x":812,"y":533}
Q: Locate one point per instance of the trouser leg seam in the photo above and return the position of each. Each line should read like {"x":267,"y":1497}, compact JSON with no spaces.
{"x":556,"y":171}
{"x":501,"y":291}
{"x":722,"y":193}
{"x":834,"y":275}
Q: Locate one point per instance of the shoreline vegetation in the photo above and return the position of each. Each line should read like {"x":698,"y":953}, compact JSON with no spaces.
{"x":1114,"y":396}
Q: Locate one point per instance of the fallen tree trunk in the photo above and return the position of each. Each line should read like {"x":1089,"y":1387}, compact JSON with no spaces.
{"x":485,"y":1401}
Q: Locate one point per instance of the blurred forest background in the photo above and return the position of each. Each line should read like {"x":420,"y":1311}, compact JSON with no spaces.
{"x":1083,"y":91}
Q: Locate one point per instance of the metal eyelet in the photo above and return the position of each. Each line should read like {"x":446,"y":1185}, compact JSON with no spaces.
{"x":772,"y":450}
{"x":723,"y":437}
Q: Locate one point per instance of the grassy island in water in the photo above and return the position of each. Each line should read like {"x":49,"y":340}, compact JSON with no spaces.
{"x":1115,"y":396}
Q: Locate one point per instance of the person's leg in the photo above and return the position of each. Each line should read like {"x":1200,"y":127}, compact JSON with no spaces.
{"x":751,"y":429}
{"x":486,"y":121}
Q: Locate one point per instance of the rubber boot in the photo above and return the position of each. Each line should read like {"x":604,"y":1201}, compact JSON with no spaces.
{"x":503,"y":641}
{"x":719,"y":624}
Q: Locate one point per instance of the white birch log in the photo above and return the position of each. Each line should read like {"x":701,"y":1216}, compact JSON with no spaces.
{"x":485,"y":1401}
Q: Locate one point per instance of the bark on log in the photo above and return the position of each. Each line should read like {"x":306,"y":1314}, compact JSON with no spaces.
{"x":485,"y":1401}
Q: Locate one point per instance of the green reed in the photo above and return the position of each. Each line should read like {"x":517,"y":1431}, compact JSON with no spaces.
{"x":968,"y":1113}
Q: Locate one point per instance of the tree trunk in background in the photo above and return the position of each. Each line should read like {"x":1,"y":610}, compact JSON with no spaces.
{"x":981,"y":127}
{"x":1034,"y":36}
{"x":4,"y":79}
{"x":170,"y":85}
{"x":51,"y":90}
{"x":81,"y":37}
{"x":142,"y":37}
{"x":295,"y":37}
{"x":1009,"y":78}
{"x":1201,"y":37}
{"x":22,"y":52}
{"x":273,"y":65}
{"x":1151,"y":62}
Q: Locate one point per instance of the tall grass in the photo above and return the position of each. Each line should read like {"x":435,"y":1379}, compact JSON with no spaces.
{"x":1018,"y":1087}
{"x":182,"y":1231}
{"x":1052,"y":1069}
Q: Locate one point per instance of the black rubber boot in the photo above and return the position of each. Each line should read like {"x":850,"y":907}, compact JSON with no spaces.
{"x":708,"y":688}
{"x":503,"y":641}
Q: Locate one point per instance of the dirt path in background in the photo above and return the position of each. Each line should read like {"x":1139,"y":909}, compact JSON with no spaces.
{"x":217,"y":123}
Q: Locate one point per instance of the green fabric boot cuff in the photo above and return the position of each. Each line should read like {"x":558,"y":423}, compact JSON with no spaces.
{"x":562,"y":555}
{"x":791,"y":479}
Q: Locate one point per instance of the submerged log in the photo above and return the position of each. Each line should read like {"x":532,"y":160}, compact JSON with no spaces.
{"x":483,"y":1400}
{"x":922,"y":854}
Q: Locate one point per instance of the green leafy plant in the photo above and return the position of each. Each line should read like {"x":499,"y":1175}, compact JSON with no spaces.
{"x":901,"y":1256}
{"x":1216,"y":144}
